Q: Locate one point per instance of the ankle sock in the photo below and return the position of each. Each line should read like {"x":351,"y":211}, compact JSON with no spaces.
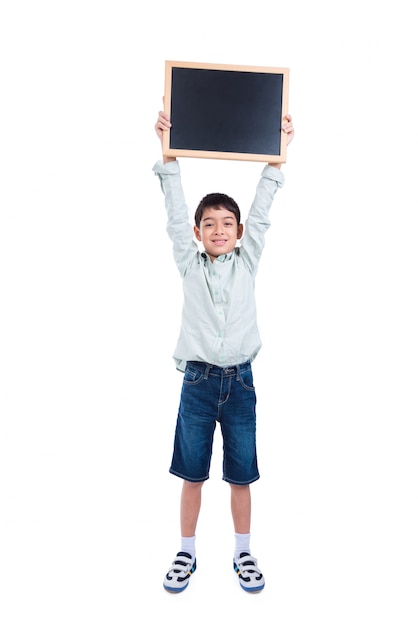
{"x":188,"y":545}
{"x":242,"y":544}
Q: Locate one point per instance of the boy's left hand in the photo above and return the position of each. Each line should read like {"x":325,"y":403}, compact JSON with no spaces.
{"x":287,"y":127}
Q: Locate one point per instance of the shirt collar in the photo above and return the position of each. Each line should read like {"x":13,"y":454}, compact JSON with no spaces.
{"x":221,"y":258}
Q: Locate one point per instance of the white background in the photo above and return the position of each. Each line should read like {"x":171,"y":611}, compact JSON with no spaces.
{"x":90,"y":306}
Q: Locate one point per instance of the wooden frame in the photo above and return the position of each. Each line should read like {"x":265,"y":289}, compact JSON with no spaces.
{"x":223,"y":111}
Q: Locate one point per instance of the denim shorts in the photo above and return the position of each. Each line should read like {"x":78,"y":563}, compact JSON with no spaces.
{"x":213,"y":394}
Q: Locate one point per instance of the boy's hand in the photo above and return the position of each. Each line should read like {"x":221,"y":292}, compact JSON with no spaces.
{"x":161,"y":126}
{"x":287,"y":127}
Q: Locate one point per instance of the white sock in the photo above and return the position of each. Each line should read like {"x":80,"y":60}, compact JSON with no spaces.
{"x":188,"y":545}
{"x":242,"y":544}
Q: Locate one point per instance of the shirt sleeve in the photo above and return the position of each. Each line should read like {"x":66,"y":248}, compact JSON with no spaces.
{"x":179,"y":228}
{"x":258,"y":222}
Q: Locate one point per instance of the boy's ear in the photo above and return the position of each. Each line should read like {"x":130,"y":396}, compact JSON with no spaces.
{"x":240,"y":231}
{"x":197,"y":233}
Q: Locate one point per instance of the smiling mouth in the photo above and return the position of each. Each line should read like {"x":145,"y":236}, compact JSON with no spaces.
{"x":219,"y":242}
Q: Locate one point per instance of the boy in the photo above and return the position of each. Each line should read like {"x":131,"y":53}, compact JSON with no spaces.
{"x":218,"y":341}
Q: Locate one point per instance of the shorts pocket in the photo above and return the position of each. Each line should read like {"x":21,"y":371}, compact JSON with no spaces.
{"x":246,"y":380}
{"x":192,"y":375}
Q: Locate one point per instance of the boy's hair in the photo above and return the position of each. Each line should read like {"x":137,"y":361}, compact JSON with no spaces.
{"x":216,"y":201}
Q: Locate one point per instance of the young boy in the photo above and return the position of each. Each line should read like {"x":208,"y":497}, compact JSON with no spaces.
{"x":218,"y":341}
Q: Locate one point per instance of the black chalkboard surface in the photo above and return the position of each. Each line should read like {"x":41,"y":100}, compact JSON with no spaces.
{"x":225,"y":111}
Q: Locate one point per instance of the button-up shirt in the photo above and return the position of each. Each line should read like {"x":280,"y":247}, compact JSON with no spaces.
{"x":219,"y":320}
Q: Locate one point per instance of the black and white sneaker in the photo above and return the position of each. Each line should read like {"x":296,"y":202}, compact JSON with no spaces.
{"x":250,"y":577}
{"x":178,"y":576}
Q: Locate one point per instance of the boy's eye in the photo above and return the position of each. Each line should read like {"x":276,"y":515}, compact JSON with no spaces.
{"x":211,"y":224}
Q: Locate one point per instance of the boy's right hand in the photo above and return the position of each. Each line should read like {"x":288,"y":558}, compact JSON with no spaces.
{"x":162,"y":124}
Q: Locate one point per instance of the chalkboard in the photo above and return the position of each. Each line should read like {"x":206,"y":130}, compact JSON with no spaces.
{"x":225,"y":111}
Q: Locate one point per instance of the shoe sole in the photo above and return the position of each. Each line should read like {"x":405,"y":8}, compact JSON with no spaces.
{"x":252,"y":589}
{"x":175,"y":589}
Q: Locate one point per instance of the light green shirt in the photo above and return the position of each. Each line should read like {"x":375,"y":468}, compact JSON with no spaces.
{"x":219,"y":319}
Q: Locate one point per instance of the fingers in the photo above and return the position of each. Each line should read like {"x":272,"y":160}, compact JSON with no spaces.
{"x":287,"y":127}
{"x":163,"y":122}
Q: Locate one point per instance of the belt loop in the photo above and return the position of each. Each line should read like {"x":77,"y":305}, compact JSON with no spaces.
{"x":206,"y":374}
{"x":238,"y":373}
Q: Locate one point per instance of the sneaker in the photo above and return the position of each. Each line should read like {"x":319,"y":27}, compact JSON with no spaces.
{"x":177,"y":577}
{"x":250,"y":577}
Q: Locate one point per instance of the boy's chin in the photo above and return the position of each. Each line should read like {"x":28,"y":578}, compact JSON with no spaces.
{"x":219,"y":250}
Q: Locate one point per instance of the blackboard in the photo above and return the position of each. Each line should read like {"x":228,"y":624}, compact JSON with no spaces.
{"x":225,"y":111}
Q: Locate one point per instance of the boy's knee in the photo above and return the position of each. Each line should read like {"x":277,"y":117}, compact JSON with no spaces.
{"x":239,"y":488}
{"x":192,"y":485}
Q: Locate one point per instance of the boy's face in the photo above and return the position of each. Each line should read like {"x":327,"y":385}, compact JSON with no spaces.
{"x":218,"y":231}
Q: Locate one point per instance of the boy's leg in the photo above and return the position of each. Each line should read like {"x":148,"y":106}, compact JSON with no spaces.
{"x":250,"y":577}
{"x":241,"y":508}
{"x":177,"y":578}
{"x":191,"y":498}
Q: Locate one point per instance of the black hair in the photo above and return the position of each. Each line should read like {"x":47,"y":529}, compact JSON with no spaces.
{"x":216,"y":201}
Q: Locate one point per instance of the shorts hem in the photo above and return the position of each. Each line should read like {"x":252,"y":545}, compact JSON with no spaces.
{"x":190,"y":480}
{"x":240,"y":482}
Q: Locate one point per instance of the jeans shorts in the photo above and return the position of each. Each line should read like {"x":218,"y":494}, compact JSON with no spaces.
{"x":213,"y":394}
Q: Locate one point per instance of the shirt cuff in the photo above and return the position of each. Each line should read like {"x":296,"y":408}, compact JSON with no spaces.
{"x":172,"y":167}
{"x":273,"y":174}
